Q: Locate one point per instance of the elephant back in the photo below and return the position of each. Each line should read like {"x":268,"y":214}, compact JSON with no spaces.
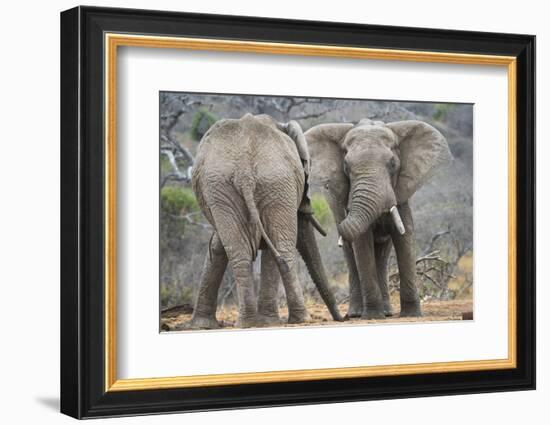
{"x":251,"y":149}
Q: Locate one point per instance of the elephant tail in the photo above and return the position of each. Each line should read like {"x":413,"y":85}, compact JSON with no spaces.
{"x":248,"y":196}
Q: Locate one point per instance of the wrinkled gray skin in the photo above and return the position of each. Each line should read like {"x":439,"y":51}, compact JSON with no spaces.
{"x":365,"y":169}
{"x":249,"y":179}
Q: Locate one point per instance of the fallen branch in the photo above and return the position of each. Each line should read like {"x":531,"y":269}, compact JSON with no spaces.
{"x":431,"y":279}
{"x":423,"y":272}
{"x":434,"y":255}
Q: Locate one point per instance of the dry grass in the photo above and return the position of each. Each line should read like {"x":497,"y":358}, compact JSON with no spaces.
{"x":462,"y":282}
{"x":432,"y":311}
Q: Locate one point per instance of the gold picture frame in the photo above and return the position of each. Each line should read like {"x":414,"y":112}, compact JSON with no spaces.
{"x":114,"y":41}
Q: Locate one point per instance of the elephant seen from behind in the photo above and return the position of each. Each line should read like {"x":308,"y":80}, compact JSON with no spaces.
{"x":250,"y":178}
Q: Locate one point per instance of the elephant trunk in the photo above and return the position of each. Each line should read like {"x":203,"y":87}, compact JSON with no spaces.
{"x":367,"y":201}
{"x":317,"y":225}
{"x":308,"y":249}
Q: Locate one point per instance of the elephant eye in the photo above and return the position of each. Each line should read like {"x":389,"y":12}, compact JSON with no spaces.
{"x":346,"y":169}
{"x":392,"y":166}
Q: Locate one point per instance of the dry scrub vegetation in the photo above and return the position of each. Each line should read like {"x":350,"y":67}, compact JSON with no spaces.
{"x":442,"y":208}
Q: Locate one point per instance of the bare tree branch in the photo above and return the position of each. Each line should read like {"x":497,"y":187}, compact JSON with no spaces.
{"x":179,"y":149}
{"x":435,"y":238}
{"x":177,"y":174}
{"x":228,"y":292}
{"x":189,"y":219}
{"x":426,"y":264}
{"x":310,"y":115}
{"x":169,"y":120}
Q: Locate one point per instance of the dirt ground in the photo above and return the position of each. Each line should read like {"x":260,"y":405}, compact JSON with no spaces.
{"x":176,"y":318}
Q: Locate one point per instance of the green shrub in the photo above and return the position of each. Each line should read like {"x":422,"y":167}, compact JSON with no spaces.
{"x":321,"y":209}
{"x":202,"y":121}
{"x":165,"y":166}
{"x":176,"y":200}
{"x":441,"y":111}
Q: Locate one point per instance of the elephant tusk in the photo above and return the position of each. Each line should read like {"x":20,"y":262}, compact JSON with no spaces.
{"x":394,"y":212}
{"x":317,"y":225}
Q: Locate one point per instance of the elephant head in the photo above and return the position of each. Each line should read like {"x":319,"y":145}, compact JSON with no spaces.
{"x":372,"y":167}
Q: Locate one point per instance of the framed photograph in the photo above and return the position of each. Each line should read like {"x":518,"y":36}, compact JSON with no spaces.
{"x":261,"y":212}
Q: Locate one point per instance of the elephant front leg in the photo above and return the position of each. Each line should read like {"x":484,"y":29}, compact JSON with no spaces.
{"x":268,"y":310}
{"x":373,"y":306}
{"x":355,"y":299}
{"x":382,"y":252}
{"x":204,"y":313}
{"x":338,"y":208}
{"x":406,"y":262}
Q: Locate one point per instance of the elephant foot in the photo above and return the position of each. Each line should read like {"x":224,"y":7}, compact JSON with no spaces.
{"x":410,"y":309}
{"x":204,"y":322}
{"x":248,"y":322}
{"x":388,"y":311}
{"x":373,"y":313}
{"x":298,"y":317}
{"x":268,"y":320}
{"x":353,"y":312}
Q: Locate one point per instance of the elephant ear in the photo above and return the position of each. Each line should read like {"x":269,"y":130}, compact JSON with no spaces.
{"x":294,"y":131}
{"x":422,"y":149}
{"x":327,"y":159}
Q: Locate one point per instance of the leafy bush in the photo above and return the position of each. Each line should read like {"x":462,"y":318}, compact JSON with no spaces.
{"x":165,"y":165}
{"x":202,"y":121}
{"x":175,"y":203}
{"x":441,"y":111}
{"x":175,"y":200}
{"x":321,"y":210}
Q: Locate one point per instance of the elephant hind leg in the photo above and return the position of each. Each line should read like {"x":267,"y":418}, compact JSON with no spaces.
{"x":297,"y":312}
{"x":282,"y":228}
{"x":230,"y":221}
{"x":204,"y":313}
{"x":268,"y":310}
{"x":242,"y":271}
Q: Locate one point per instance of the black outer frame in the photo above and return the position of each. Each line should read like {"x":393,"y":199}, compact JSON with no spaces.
{"x":82,"y":218}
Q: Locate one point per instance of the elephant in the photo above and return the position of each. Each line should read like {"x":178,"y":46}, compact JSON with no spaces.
{"x":250,"y":179}
{"x":368,"y":172}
